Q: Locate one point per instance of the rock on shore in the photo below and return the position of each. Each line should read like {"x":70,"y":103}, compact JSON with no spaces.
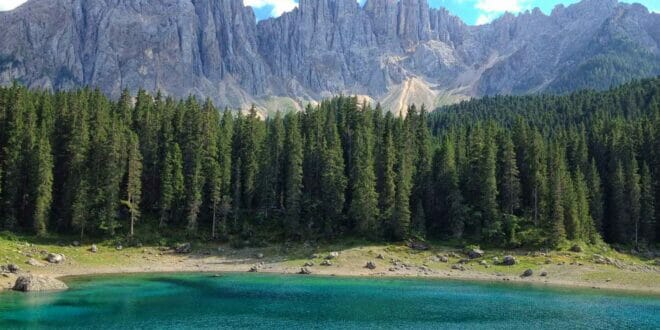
{"x":31,"y":283}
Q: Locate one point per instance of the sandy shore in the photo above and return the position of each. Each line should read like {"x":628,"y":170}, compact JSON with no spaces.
{"x":399,"y":261}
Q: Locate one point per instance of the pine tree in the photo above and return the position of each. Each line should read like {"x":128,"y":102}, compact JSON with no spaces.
{"x":555,"y":227}
{"x":333,"y":178}
{"x":647,"y":206}
{"x":386,"y":175}
{"x":44,"y":179}
{"x":363,"y":209}
{"x":293,"y":175}
{"x":633,"y":195}
{"x":508,"y":177}
{"x":133,"y":191}
{"x":595,"y":196}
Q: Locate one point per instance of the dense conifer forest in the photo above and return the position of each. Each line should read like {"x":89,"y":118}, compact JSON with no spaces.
{"x":529,"y":171}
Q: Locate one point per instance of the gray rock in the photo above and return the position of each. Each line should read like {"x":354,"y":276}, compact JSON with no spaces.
{"x":76,"y":243}
{"x":496,"y":260}
{"x":326,"y":263}
{"x":183,"y":248}
{"x":475,"y":253}
{"x":304,"y":271}
{"x":13,"y":268}
{"x":332,"y":255}
{"x":254,"y":269}
{"x":528,"y":273}
{"x":371,"y":265}
{"x":380,"y":256}
{"x":34,"y":262}
{"x":509,"y":261}
{"x":259,"y":255}
{"x":458,"y":267}
{"x":119,"y":247}
{"x":483,"y":263}
{"x":308,"y":264}
{"x":544,"y":274}
{"x":55,"y":258}
{"x":387,"y":50}
{"x":420,"y":246}
{"x":443,"y":259}
{"x":93,"y":249}
{"x":29,"y":283}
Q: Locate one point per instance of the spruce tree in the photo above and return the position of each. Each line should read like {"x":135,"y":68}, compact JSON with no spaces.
{"x":647,"y":206}
{"x":508,"y":177}
{"x":293,"y":175}
{"x":133,"y":188}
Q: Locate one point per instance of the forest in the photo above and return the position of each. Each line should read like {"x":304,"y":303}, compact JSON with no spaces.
{"x":510,"y":171}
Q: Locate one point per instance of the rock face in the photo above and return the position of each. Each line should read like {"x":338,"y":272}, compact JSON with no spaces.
{"x":396,"y":52}
{"x":30,"y":283}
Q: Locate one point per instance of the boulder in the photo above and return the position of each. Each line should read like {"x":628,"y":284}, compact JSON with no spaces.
{"x":371,"y":265}
{"x":253,"y":269}
{"x":509,"y":261}
{"x":464,"y":261}
{"x":30,"y":283}
{"x":444,"y":259}
{"x":475,"y":253}
{"x":75,"y":243}
{"x":259,"y":255}
{"x":119,"y":247}
{"x":183,"y":248}
{"x":326,"y":263}
{"x":458,"y":267}
{"x":380,"y":256}
{"x":576,"y":248}
{"x":93,"y":249}
{"x":304,"y":271}
{"x":496,"y":260}
{"x":34,"y":262}
{"x":55,"y":258}
{"x":13,"y":268}
{"x":308,"y":264}
{"x":419,"y":246}
{"x":544,"y":274}
{"x":332,"y":255}
{"x":528,"y":273}
{"x":483,"y":263}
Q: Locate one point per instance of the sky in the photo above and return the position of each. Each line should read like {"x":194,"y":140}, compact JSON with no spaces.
{"x":471,"y":11}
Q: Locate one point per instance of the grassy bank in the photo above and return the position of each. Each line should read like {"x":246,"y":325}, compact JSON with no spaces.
{"x":598,"y":267}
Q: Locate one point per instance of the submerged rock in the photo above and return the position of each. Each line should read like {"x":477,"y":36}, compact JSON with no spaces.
{"x":29,"y":283}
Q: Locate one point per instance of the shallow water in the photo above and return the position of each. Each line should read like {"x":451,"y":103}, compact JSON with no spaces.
{"x":193,"y":301}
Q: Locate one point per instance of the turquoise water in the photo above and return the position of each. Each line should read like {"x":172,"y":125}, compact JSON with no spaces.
{"x":232,"y":301}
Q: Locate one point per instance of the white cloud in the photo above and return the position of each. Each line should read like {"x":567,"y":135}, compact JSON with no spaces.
{"x":492,"y":9}
{"x":279,"y":6}
{"x":10,"y":4}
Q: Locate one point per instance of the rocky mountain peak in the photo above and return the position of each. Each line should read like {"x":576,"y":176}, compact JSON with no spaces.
{"x":396,"y":52}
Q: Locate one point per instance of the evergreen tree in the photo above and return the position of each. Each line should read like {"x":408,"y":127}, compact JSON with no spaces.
{"x":333,"y":178}
{"x":647,"y":206}
{"x":133,"y":191}
{"x":293,"y":175}
{"x":508,"y":177}
{"x":363,"y":209}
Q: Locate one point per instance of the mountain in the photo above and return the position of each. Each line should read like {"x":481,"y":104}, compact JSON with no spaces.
{"x":395,"y":52}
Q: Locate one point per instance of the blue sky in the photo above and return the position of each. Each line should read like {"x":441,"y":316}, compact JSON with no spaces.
{"x":471,"y":11}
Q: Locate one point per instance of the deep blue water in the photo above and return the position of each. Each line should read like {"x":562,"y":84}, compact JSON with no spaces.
{"x":193,"y":301}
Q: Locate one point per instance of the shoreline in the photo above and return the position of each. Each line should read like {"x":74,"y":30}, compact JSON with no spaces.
{"x":392,"y":261}
{"x":556,"y":285}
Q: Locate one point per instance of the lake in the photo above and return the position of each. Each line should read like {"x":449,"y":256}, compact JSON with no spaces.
{"x":193,"y":301}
